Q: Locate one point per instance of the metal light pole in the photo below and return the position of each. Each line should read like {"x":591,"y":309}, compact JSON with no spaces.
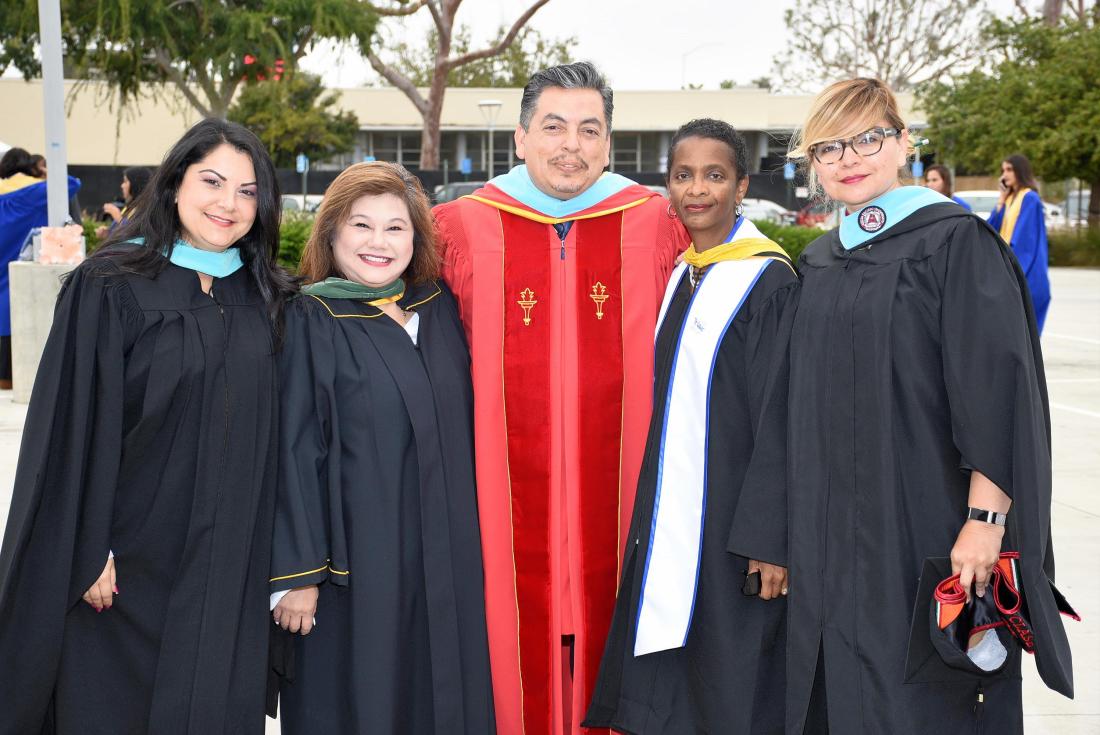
{"x":53,"y":108}
{"x":686,"y":54}
{"x":489,"y":110}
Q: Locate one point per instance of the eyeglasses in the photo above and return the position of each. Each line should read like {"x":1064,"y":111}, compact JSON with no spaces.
{"x":867,"y":143}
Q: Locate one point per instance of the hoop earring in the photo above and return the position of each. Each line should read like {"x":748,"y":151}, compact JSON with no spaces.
{"x":670,"y":211}
{"x":740,"y":210}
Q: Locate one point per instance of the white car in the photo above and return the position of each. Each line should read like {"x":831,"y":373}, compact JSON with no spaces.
{"x":767,"y":210}
{"x":984,"y":201}
{"x":295,"y":202}
{"x":1076,"y":208}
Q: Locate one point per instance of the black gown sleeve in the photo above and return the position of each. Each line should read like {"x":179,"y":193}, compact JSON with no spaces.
{"x":58,"y":531}
{"x":1000,"y":418}
{"x":759,"y":527}
{"x":302,"y":552}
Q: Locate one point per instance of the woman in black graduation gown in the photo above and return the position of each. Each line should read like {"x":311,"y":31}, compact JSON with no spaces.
{"x":917,"y":392}
{"x":145,"y":484}
{"x":376,"y":533}
{"x":692,"y":647}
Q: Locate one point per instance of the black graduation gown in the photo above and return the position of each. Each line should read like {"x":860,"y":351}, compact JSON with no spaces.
{"x":728,"y":678}
{"x":151,"y":432}
{"x":914,"y":359}
{"x":377,"y":505}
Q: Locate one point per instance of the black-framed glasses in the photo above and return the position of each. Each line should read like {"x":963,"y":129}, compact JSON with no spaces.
{"x":867,"y":143}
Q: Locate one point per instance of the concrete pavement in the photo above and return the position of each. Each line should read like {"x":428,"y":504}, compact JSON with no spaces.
{"x":1071,"y":346}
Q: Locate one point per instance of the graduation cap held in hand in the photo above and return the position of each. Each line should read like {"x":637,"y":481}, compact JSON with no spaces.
{"x":954,"y":639}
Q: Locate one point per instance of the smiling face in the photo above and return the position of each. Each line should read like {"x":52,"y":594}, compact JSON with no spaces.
{"x":216,"y":199}
{"x":567,"y":144}
{"x":856,"y":180}
{"x":935,"y":182}
{"x":374,"y":246}
{"x":703,"y":187}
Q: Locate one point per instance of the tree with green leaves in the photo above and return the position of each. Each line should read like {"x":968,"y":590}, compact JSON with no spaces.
{"x":293,"y":115}
{"x":446,"y":57}
{"x":199,"y":47}
{"x":1041,"y":97}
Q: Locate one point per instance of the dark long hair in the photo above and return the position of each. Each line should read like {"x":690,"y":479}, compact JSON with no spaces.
{"x":156,"y":216}
{"x":1024,"y":175}
{"x":139,"y":178}
{"x":16,"y":161}
{"x":945,"y":175}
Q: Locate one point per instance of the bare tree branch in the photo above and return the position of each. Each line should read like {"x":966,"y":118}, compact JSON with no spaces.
{"x":403,"y":84}
{"x":303,"y":46}
{"x":504,"y":42}
{"x":408,"y":9}
{"x":164,"y":62}
{"x":442,"y":64}
{"x":903,"y":42}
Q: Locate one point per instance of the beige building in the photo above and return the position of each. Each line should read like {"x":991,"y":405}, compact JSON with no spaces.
{"x":101,"y":134}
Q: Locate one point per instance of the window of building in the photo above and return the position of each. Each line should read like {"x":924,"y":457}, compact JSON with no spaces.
{"x":626,"y":152}
{"x":386,"y":146}
{"x":651,"y":152}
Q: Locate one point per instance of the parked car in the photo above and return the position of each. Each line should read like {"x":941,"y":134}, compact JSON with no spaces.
{"x":449,"y":192}
{"x":984,"y":201}
{"x":296,"y":203}
{"x":1075,"y":210}
{"x":767,"y":210}
{"x":816,"y":214}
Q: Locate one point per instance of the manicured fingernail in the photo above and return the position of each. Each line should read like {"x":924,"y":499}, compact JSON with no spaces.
{"x":115,"y":589}
{"x":99,"y":609}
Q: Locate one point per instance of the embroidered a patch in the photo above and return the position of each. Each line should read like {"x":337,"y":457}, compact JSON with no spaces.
{"x":872,"y":219}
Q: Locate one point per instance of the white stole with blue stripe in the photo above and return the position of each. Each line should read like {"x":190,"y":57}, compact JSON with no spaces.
{"x":671,"y":572}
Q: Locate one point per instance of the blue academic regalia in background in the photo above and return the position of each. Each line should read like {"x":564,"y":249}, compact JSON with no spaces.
{"x":962,"y":203}
{"x":20,"y":211}
{"x":1029,"y":243}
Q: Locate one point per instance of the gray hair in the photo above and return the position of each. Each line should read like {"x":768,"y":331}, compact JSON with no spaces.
{"x":578,"y":75}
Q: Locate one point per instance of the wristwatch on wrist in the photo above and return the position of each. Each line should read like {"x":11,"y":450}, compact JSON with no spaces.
{"x":987,"y":516}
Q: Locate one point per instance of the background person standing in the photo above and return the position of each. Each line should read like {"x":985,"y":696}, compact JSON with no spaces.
{"x":1019,"y":218}
{"x":937,"y":177}
{"x":22,"y":208}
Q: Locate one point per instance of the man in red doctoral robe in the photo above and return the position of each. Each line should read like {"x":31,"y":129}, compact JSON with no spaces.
{"x":558,"y":269}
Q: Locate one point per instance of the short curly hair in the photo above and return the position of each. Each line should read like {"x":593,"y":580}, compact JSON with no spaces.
{"x":706,"y":127}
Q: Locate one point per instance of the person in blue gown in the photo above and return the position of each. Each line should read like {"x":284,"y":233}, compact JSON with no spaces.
{"x":1019,"y":219}
{"x":937,"y":177}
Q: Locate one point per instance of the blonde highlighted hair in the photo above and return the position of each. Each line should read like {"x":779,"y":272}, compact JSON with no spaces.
{"x":842,"y":110}
{"x":371,"y":179}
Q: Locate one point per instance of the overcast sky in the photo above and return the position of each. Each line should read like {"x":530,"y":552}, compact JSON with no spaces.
{"x":639,"y":44}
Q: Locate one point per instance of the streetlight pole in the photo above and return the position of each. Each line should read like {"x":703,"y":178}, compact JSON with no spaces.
{"x":53,"y":108}
{"x":685,"y":55}
{"x":489,"y":110}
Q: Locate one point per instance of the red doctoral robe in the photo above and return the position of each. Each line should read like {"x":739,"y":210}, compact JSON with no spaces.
{"x":561,"y":340}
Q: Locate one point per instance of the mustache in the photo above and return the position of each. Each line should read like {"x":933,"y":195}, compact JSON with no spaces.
{"x":568,"y":159}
